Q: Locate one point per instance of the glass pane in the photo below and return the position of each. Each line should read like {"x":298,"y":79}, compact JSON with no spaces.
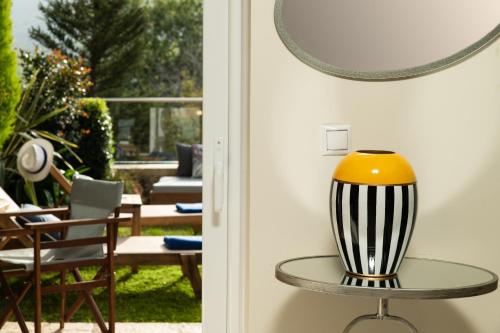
{"x":149,"y":131}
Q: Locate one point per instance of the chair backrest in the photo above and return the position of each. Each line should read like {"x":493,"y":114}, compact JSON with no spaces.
{"x":90,"y":199}
{"x":12,"y":204}
{"x":12,"y":207}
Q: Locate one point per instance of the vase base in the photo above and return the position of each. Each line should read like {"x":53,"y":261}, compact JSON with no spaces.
{"x":374,"y":277}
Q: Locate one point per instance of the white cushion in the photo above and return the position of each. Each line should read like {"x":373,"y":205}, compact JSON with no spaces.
{"x":173,"y":184}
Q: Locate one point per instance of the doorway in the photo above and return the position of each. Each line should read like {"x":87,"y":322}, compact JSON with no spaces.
{"x":223,"y":119}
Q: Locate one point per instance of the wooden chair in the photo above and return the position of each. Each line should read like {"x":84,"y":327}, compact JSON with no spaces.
{"x":8,"y":220}
{"x":82,"y":245}
{"x":146,"y":215}
{"x":149,"y":250}
{"x":130,"y":203}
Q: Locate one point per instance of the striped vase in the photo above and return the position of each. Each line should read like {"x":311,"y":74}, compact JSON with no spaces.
{"x":373,"y":205}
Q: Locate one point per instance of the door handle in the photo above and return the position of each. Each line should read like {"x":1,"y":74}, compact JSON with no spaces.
{"x":219,"y":175}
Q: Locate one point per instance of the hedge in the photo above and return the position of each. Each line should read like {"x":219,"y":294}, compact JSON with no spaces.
{"x":9,"y":82}
{"x":95,"y":147}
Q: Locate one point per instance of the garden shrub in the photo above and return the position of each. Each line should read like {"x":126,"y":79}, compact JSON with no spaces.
{"x":95,"y":146}
{"x":9,"y":84}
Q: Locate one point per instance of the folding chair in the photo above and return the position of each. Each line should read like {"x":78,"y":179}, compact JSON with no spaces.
{"x":8,"y":220}
{"x":82,"y":245}
{"x":34,"y":160}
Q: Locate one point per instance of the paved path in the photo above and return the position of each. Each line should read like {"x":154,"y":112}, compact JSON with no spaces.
{"x":120,"y":328}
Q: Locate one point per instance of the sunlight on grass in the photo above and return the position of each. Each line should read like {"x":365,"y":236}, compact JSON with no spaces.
{"x":158,"y":231}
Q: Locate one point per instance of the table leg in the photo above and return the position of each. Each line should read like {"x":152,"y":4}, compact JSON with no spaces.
{"x":382,"y":314}
{"x":136,"y":230}
{"x":136,"y":221}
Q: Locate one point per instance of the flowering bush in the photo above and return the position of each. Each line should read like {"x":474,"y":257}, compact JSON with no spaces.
{"x":65,"y":80}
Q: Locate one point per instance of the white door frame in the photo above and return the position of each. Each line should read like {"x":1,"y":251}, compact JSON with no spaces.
{"x":225,"y":119}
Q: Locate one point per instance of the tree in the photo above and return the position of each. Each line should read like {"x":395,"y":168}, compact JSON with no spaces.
{"x":173,"y":60}
{"x":172,"y":66}
{"x":109,"y":34}
{"x":9,"y":83}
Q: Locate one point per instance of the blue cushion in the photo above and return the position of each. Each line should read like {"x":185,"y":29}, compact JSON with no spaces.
{"x":38,"y":218}
{"x":189,"y":207}
{"x":183,"y":242}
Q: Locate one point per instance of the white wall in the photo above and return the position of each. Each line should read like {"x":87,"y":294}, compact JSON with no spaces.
{"x":446,"y":124}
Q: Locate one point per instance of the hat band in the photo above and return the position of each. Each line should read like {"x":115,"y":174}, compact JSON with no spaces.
{"x":43,"y":163}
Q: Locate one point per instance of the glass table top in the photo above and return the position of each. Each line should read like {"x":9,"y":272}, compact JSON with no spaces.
{"x":416,"y":279}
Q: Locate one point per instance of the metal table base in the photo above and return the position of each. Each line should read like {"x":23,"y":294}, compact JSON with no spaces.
{"x":382,"y":314}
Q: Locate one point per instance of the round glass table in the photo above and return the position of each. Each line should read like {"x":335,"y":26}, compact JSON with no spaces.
{"x":416,"y":279}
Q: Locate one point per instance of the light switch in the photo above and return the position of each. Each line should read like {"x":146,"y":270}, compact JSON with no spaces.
{"x":335,"y":139}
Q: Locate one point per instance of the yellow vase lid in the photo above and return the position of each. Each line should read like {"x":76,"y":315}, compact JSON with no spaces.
{"x":375,"y":167}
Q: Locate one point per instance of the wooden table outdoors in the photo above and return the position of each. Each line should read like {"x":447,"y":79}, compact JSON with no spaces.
{"x":167,"y":215}
{"x":150,"y":250}
{"x":156,"y":215}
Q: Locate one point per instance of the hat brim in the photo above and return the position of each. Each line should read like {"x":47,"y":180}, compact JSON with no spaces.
{"x":44,"y":171}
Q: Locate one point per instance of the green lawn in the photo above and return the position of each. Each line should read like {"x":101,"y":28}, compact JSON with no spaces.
{"x":155,"y":294}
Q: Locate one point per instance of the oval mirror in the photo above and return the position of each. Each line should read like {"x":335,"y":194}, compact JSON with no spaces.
{"x":385,"y":39}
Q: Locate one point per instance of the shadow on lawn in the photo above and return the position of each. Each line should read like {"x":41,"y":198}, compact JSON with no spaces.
{"x":154,"y":294}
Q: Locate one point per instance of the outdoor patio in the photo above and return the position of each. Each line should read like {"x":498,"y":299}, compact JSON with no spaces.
{"x":120,"y":327}
{"x":120,"y":119}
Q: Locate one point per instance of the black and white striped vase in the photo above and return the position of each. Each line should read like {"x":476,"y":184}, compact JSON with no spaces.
{"x":373,"y":206}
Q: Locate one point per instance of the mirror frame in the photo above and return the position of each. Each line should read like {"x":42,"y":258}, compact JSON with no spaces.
{"x":391,"y":75}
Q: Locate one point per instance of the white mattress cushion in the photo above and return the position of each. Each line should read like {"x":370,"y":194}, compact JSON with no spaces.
{"x":173,"y":184}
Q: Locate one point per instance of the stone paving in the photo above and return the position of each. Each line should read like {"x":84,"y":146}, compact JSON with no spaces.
{"x":120,"y":328}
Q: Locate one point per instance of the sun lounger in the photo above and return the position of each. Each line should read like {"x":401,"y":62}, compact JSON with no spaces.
{"x":150,"y":250}
{"x":172,"y":189}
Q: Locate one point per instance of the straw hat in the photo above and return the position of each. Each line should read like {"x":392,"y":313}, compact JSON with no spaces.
{"x":34,"y":159}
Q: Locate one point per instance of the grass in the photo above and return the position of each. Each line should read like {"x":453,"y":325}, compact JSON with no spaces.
{"x":154,"y":294}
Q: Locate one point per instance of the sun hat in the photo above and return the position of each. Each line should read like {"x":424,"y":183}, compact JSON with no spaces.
{"x":34,"y":159}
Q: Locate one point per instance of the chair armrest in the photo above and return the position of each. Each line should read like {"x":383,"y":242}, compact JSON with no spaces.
{"x":45,"y":226}
{"x":14,"y":232}
{"x":55,"y":211}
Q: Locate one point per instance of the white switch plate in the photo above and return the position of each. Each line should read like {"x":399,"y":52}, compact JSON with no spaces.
{"x":335,"y":139}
